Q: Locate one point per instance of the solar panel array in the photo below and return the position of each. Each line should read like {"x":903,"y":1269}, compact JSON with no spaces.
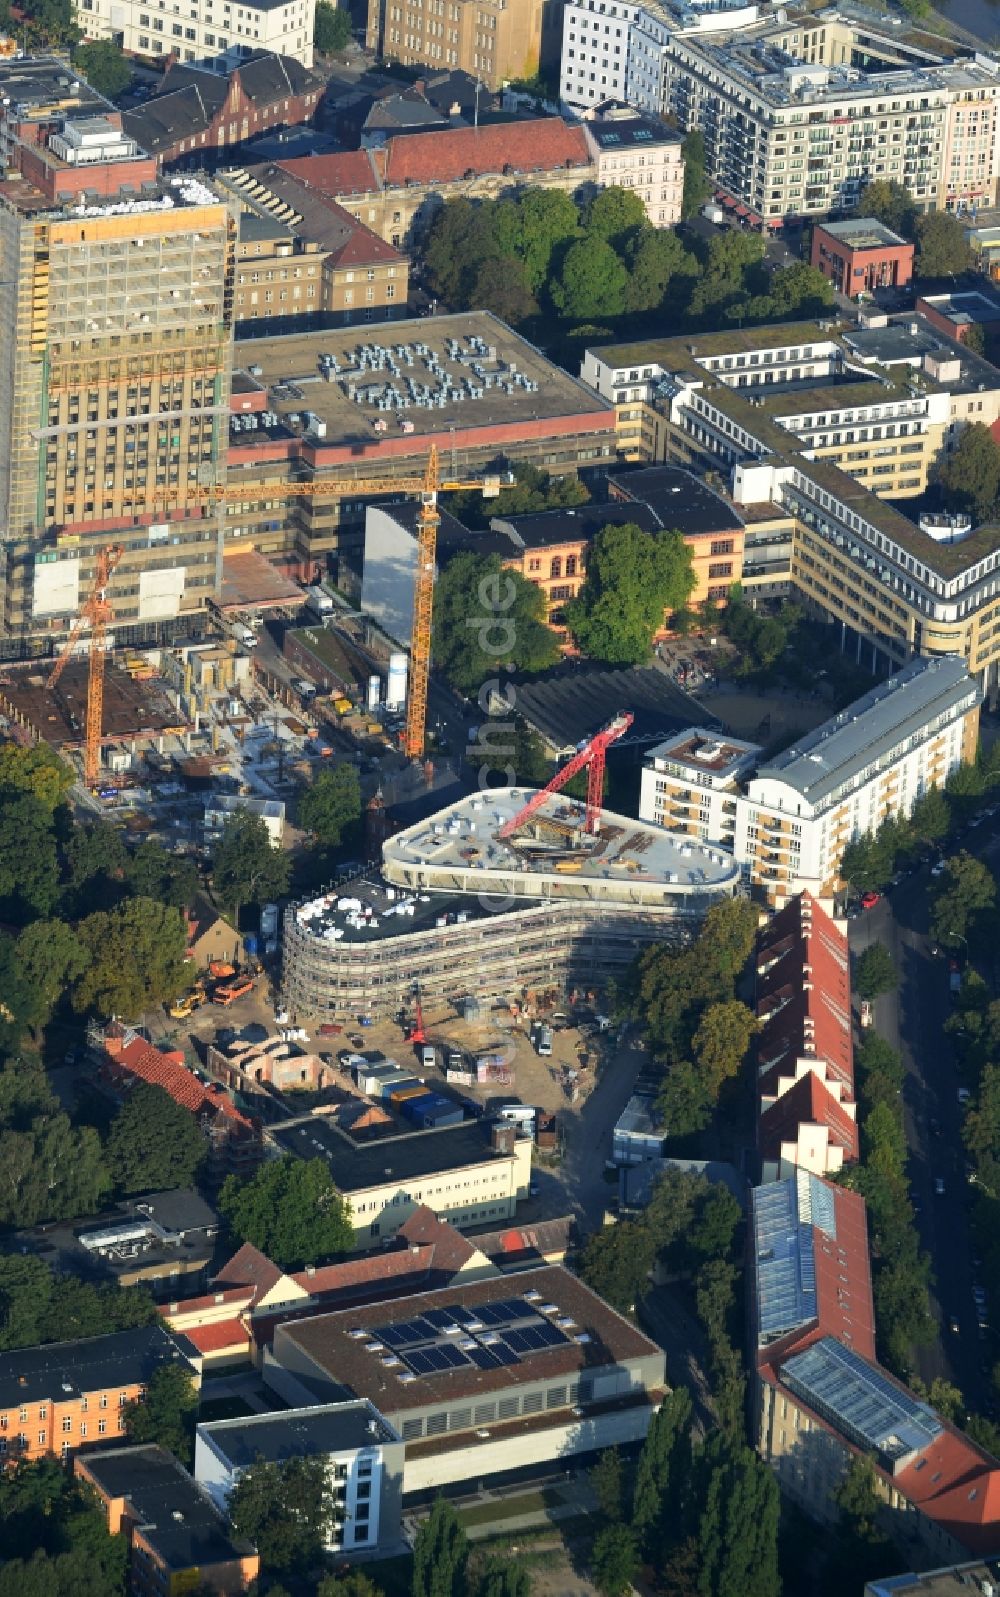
{"x":487,"y":1337}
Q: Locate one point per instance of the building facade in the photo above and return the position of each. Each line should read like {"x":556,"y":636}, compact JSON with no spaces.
{"x":813,"y":424}
{"x":197,"y":115}
{"x":489,"y":39}
{"x":793,"y":125}
{"x":860,"y":257}
{"x":114,"y":389}
{"x":640,"y":154}
{"x":214,"y":31}
{"x":65,"y":1397}
{"x":691,"y":783}
{"x":876,"y":759}
{"x":178,"y":1540}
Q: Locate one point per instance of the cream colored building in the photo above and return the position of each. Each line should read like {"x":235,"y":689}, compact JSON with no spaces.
{"x":638,"y":153}
{"x":691,"y":784}
{"x":220,"y":31}
{"x":816,"y":426}
{"x":874,"y":759}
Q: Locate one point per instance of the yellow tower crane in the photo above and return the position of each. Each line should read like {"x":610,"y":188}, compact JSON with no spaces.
{"x":428,"y":487}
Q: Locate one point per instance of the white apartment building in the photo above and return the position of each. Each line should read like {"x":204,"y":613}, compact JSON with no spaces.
{"x":791,"y":126}
{"x":874,"y":759}
{"x":691,"y":782}
{"x":638,"y":153}
{"x":222,"y":32}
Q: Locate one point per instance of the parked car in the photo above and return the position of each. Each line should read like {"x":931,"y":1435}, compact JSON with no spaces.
{"x":870,"y":899}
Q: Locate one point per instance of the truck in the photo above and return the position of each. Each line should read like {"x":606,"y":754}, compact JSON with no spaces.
{"x":305,"y":689}
{"x":268,"y":922}
{"x":318,"y":602}
{"x":229,"y":992}
{"x":543,"y":1042}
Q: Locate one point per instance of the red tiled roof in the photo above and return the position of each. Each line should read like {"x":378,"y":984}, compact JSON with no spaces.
{"x":844,"y":1278}
{"x":510,"y":147}
{"x":354,"y":1274}
{"x":138,"y":1058}
{"x":809,"y":1102}
{"x":350,"y":172}
{"x":207,"y":1300}
{"x":804,"y":992}
{"x":362,"y":247}
{"x":248,"y":1267}
{"x":957,"y":1486}
{"x":218,"y":1335}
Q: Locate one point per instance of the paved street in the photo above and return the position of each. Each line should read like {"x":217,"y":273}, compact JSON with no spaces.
{"x":912,"y":1020}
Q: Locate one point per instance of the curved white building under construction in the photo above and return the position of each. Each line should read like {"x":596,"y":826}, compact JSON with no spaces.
{"x":464,"y":910}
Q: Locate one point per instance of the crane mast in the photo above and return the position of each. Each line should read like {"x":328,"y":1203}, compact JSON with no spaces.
{"x":96,"y":610}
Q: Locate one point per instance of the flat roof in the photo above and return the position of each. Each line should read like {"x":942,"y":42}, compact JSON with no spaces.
{"x":822,"y":761}
{"x":63,"y":1371}
{"x":406,"y":1156}
{"x":864,"y":233}
{"x":679,"y":499}
{"x":47,"y":83}
{"x":250,"y":582}
{"x":964,"y":309}
{"x":594,"y":1336}
{"x":960,"y":1580}
{"x":370,"y":909}
{"x":702,"y":750}
{"x":542,"y":529}
{"x":176,"y":1518}
{"x":464,"y":837}
{"x":435,"y":359}
{"x":299,"y":1433}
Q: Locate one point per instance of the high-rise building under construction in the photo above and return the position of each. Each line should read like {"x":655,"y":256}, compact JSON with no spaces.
{"x":115,"y":362}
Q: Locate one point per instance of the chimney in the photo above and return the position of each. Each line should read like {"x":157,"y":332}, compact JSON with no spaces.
{"x":502,"y":1137}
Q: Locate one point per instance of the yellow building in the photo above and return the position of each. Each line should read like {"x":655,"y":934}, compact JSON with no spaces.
{"x":493,"y":40}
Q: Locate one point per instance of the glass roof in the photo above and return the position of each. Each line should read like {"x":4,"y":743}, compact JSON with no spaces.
{"x":784,"y":1214}
{"x":860,"y":1401}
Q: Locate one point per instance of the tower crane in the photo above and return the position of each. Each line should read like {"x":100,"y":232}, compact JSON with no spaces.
{"x":428,"y":487}
{"x":591,"y":754}
{"x":96,"y":609}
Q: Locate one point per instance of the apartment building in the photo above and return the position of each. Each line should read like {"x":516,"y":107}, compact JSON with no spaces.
{"x":812,"y":423}
{"x":117,"y":316}
{"x":641,"y":154}
{"x":222,"y":32}
{"x":792,"y":124}
{"x":178,"y":1541}
{"x":65,"y":1397}
{"x":691,"y":783}
{"x":197,"y":115}
{"x":874,"y":759}
{"x":807,"y":1115}
{"x":492,"y":40}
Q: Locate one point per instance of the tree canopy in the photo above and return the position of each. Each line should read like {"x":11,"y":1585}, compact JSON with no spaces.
{"x":288,"y":1510}
{"x":969,"y":474}
{"x":964,"y":893}
{"x":37,"y":1306}
{"x":942,"y":247}
{"x":332,"y":28}
{"x":55,"y":1538}
{"x":246,"y":866}
{"x":634,"y":579}
{"x":889,"y":202}
{"x":486,"y":618}
{"x":290,"y":1210}
{"x":154,"y":1143}
{"x":874,"y":972}
{"x":105,"y":67}
{"x":135,"y":959}
{"x":49,"y":1168}
{"x":440,"y":1554}
{"x":531,"y":490}
{"x":167,"y":1414}
{"x":331,"y":804}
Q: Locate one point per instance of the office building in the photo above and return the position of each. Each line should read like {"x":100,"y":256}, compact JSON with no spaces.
{"x":164,"y":1241}
{"x":68,"y":1396}
{"x":821,"y":429}
{"x":489,"y":39}
{"x":178,"y":1540}
{"x":509,"y":1375}
{"x":302,"y":269}
{"x":383,"y":396}
{"x":364,"y":1456}
{"x":874,"y":759}
{"x":117,"y":317}
{"x":804,"y":1050}
{"x":799,"y":110}
{"x":690,"y":783}
{"x":215,"y":31}
{"x":861,"y":256}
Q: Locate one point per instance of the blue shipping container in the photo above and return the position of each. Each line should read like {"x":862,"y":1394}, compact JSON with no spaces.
{"x":411,"y":1107}
{"x":434,"y":1119}
{"x":250,"y":945}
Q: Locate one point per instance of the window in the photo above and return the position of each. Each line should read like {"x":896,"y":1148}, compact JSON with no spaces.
{"x":722,"y":546}
{"x":67,"y":1423}
{"x":721,"y":568}
{"x":555,"y":567}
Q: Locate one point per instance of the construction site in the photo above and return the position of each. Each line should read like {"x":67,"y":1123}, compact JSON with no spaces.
{"x":498,"y":893}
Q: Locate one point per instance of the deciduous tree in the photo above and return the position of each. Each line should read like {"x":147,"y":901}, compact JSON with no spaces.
{"x":614,"y":214}
{"x":104,"y":66}
{"x":874,"y":972}
{"x":616,"y":1262}
{"x":738,"y":1529}
{"x":486,"y":618}
{"x":332,"y":28}
{"x":966,"y":889}
{"x":661,"y":1478}
{"x":167,"y":1414}
{"x":634,"y":578}
{"x":290,"y":1210}
{"x":969,"y":474}
{"x":591,"y":282}
{"x":331,"y":804}
{"x":722,"y":1039}
{"x":135,"y":959}
{"x":942,"y":247}
{"x":697,"y":184}
{"x":288,"y":1510}
{"x":37,"y":771}
{"x":440,"y":1554}
{"x":48,"y":958}
{"x":614,"y":1561}
{"x":154,"y":1143}
{"x":246,"y":866}
{"x":889,"y":202}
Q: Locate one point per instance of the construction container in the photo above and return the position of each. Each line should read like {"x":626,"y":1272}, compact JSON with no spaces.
{"x":409,"y":1105}
{"x":394,"y":1083}
{"x":434,"y":1111}
{"x":401,"y":1094}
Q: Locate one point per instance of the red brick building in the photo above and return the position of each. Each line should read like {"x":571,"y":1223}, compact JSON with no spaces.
{"x":199,"y":116}
{"x":861,"y":256}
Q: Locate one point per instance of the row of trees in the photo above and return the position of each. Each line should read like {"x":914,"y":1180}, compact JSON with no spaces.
{"x":704,"y":1517}
{"x":942,"y":249}
{"x":544,"y":253}
{"x":685,"y":1000}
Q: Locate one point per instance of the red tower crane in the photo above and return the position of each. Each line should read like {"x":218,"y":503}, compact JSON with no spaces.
{"x":592,"y":754}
